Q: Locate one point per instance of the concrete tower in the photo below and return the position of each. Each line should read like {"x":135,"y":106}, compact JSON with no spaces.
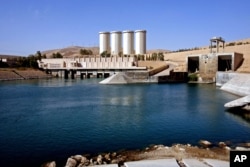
{"x":116,"y":42}
{"x":128,"y":42}
{"x":104,"y":39}
{"x":140,"y":42}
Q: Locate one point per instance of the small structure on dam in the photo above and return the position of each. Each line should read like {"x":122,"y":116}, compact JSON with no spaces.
{"x":208,"y":64}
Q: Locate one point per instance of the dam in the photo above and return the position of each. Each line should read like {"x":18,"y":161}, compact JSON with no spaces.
{"x":87,"y":67}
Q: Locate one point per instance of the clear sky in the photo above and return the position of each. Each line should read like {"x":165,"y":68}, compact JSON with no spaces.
{"x":31,"y":25}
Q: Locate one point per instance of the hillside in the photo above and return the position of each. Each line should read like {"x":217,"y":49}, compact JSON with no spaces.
{"x":71,"y":51}
{"x":244,"y":48}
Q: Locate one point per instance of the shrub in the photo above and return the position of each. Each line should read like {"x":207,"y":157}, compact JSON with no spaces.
{"x":193,"y":77}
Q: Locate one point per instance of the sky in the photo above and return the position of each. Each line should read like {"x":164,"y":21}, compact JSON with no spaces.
{"x":31,"y":25}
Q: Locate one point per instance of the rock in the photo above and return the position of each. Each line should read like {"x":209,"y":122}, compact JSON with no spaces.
{"x":91,"y":162}
{"x":107,"y":157}
{"x":99,"y":159}
{"x":49,"y":164}
{"x":84,"y":161}
{"x":78,"y":158}
{"x":182,"y":149}
{"x":81,"y":165}
{"x":227,"y":148}
{"x":222,"y":144}
{"x":205,"y":143}
{"x":114,"y":154}
{"x":114,"y":161}
{"x":71,"y":162}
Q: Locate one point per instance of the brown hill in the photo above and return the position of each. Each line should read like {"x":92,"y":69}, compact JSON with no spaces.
{"x":72,"y":51}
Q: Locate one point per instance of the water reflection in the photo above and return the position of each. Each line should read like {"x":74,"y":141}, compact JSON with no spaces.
{"x":242,"y":116}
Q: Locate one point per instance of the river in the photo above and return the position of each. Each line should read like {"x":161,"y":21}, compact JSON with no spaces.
{"x":52,"y":119}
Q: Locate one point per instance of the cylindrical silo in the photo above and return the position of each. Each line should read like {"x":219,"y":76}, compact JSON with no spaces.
{"x":104,"y":39}
{"x":116,"y":42}
{"x":128,"y":42}
{"x":140,"y":41}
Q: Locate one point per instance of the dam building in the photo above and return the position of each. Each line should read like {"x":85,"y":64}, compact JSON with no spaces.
{"x":123,"y":42}
{"x":116,"y":42}
{"x":87,"y":67}
{"x":208,"y":64}
{"x":104,"y":42}
{"x":128,"y":42}
{"x":140,"y":42}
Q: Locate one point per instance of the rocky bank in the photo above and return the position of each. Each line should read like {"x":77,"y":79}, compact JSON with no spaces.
{"x":206,"y":149}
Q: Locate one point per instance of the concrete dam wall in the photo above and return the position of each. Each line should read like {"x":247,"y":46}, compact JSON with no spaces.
{"x":239,"y":84}
{"x":236,"y":83}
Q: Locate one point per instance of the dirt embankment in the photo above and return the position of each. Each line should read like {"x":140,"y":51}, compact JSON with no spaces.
{"x":21,"y":73}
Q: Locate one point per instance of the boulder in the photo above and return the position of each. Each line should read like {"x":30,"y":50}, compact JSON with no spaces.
{"x":49,"y":164}
{"x":107,"y":157}
{"x":78,"y":158}
{"x":99,"y":159}
{"x":205,"y":143}
{"x":71,"y":162}
{"x":222,"y":144}
{"x":84,"y":161}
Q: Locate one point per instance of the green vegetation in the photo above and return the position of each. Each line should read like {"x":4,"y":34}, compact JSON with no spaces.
{"x":156,"y":57}
{"x":86,"y":52}
{"x":105,"y":54}
{"x":231,"y":44}
{"x":57,"y":55}
{"x":189,"y":49}
{"x":28,"y":62}
{"x":193,"y":77}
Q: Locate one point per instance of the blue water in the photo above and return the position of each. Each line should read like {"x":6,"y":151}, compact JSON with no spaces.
{"x":42,"y":120}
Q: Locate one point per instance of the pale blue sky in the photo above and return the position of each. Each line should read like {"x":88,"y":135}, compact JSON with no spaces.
{"x":31,"y":25}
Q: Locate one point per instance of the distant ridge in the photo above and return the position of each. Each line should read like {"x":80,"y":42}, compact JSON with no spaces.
{"x":70,"y":51}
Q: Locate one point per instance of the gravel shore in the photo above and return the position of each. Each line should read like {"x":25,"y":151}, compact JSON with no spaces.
{"x":206,"y":149}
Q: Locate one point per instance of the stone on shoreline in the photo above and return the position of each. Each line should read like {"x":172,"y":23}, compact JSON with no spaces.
{"x":205,"y":143}
{"x":71,"y":162}
{"x":49,"y":164}
{"x":99,"y":159}
{"x":222,"y":144}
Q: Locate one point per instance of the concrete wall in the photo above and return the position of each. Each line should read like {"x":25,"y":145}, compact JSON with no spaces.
{"x":99,"y":62}
{"x":223,"y":77}
{"x":208,"y":64}
{"x":238,"y":59}
{"x":239,"y":84}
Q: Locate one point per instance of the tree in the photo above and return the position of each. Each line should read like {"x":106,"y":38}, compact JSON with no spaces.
{"x":154,"y":56}
{"x":39,"y":55}
{"x":105,"y":54}
{"x":86,"y":52}
{"x":57,"y":55}
{"x":160,"y":56}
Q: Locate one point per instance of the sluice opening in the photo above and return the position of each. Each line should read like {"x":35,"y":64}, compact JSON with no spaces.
{"x":224,"y":63}
{"x":193,"y":64}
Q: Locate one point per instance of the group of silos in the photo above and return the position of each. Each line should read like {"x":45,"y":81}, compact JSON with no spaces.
{"x":123,"y":42}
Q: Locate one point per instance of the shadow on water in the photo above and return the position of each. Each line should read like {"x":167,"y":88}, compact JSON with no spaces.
{"x":240,"y":113}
